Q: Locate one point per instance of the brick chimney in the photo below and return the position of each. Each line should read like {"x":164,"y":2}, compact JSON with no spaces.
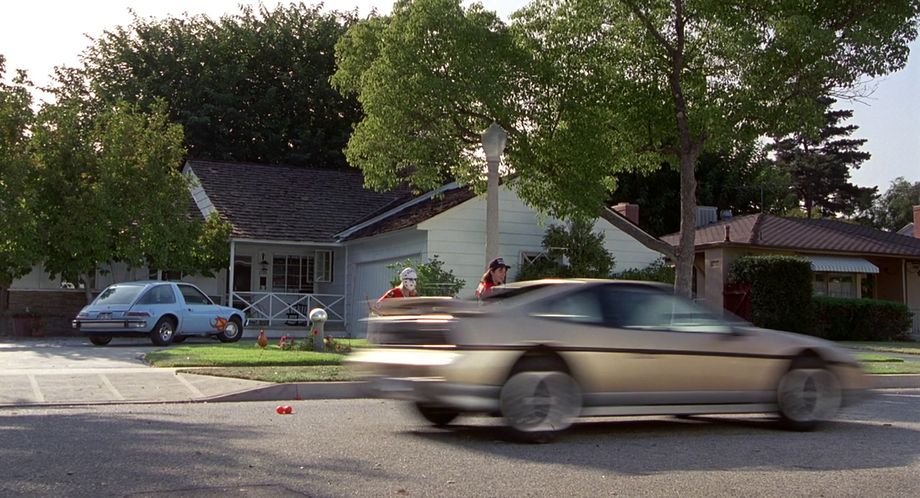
{"x":631,"y":211}
{"x":917,"y":222}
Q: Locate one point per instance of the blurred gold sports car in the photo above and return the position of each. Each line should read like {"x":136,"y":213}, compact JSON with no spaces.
{"x":543,"y":353}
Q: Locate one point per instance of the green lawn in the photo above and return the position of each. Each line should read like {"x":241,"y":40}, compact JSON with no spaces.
{"x":244,"y":354}
{"x":885,"y":347}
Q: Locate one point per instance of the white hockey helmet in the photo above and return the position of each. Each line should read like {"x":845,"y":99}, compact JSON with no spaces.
{"x":408,"y":274}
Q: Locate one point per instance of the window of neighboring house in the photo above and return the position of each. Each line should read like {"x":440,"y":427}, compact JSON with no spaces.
{"x":323,"y":271}
{"x":292,"y":273}
{"x":835,"y":284}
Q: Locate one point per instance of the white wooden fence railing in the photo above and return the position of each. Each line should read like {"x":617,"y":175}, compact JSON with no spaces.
{"x":287,"y":308}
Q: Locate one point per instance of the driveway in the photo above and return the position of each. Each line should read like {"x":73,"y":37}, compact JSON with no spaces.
{"x":72,"y":371}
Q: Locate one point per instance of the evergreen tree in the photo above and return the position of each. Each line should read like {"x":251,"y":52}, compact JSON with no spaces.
{"x":894,"y":209}
{"x":819,"y":166}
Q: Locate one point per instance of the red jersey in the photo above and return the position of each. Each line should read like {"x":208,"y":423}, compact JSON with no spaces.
{"x":484,"y":289}
{"x":395,"y":292}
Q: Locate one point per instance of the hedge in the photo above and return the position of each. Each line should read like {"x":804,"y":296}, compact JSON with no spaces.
{"x":841,"y":319}
{"x":781,"y":288}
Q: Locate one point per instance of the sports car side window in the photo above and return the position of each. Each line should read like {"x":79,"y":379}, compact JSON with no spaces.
{"x":649,"y":309}
{"x":581,"y":307}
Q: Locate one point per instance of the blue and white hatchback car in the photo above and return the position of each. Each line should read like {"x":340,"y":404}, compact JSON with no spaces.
{"x":167,"y":312}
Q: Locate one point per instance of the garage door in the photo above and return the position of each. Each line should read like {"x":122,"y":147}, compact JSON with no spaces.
{"x":371,"y":280}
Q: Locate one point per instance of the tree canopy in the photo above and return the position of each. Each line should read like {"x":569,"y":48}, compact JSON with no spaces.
{"x":250,"y":87}
{"x":588,"y":89}
{"x":819,"y":165}
{"x":109,"y":189}
{"x":17,"y":226}
{"x":894,"y":209}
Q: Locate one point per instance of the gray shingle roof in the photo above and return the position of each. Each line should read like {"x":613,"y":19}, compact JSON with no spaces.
{"x":819,"y":235}
{"x":278,"y":202}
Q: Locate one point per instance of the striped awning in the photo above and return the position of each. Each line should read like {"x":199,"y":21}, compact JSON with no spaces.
{"x":841,"y":264}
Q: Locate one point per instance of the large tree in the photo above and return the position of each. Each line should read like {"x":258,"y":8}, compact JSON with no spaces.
{"x":248,"y":87}
{"x":109,"y":189}
{"x":17,"y":225}
{"x":588,"y":89}
{"x":819,"y":165}
{"x":895,"y":208}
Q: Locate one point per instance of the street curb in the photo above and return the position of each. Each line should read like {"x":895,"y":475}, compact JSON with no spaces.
{"x":358,"y":389}
{"x":295,"y":391}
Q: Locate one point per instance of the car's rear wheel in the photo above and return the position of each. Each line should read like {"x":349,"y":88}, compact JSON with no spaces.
{"x":163,"y":332}
{"x":537,"y":405}
{"x":437,"y":415}
{"x":100,"y":340}
{"x":807,"y":395}
{"x":232,"y":332}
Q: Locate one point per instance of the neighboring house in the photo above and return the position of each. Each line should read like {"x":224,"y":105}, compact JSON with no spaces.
{"x":848,"y":260}
{"x":304,"y":238}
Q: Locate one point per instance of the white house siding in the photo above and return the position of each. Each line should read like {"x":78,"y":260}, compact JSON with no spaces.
{"x":457,"y":237}
{"x":368,"y":275}
{"x":627,"y":252}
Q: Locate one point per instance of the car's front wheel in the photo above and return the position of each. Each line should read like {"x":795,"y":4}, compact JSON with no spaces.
{"x":437,"y":415}
{"x":538,"y":404}
{"x":232,"y":332}
{"x":163,"y":332}
{"x":807,"y":395}
{"x":100,"y":340}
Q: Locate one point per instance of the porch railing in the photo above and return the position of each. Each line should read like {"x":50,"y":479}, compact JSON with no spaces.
{"x":287,"y":308}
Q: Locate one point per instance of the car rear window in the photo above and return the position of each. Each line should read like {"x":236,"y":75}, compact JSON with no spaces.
{"x":160,"y":294}
{"x":119,"y":294}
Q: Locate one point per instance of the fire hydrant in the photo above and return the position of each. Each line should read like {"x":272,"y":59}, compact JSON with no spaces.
{"x":318,"y":317}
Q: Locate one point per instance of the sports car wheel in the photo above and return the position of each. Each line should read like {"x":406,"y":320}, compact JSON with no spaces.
{"x":163,"y":332}
{"x":100,"y":340}
{"x":538,"y":404}
{"x":232,"y":332}
{"x":435,"y":414}
{"x":807,"y":395}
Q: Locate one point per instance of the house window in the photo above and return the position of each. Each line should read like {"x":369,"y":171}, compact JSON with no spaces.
{"x":835,"y":284}
{"x":323,"y":270}
{"x":528,"y":257}
{"x":292,"y":273}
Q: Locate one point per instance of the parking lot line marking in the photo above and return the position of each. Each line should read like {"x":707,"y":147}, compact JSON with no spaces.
{"x":111,"y":388}
{"x":39,"y":397}
{"x":194,"y":390}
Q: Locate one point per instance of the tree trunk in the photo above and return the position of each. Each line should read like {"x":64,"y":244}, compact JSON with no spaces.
{"x":686,"y":250}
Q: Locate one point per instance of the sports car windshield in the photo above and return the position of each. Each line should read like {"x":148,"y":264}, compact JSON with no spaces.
{"x":119,"y":294}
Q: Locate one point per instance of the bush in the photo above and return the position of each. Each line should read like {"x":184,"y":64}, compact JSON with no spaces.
{"x":781,"y":288}
{"x":658,"y":271}
{"x":840,"y":319}
{"x":433,"y":279}
{"x":582,"y":249}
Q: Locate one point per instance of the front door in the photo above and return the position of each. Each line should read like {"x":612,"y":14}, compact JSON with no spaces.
{"x":242,"y":278}
{"x":199,"y":314}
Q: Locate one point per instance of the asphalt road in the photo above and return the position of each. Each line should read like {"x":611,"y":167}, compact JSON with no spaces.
{"x":376,"y":448}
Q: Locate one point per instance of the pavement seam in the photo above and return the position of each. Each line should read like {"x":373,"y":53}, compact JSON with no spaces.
{"x":111,"y":388}
{"x":194,"y":390}
{"x":35,"y":389}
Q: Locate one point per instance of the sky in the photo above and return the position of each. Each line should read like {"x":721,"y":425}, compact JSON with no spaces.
{"x":37,"y":35}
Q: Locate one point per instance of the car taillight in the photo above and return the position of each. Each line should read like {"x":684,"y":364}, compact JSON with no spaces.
{"x":142,"y":314}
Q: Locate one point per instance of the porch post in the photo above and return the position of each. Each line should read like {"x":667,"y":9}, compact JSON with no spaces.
{"x":230,"y":273}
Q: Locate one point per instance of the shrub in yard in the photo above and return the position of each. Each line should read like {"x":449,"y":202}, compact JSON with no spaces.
{"x":781,"y":288}
{"x":658,"y":271}
{"x":840,"y":319}
{"x":433,"y":279}
{"x":574,"y":250}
